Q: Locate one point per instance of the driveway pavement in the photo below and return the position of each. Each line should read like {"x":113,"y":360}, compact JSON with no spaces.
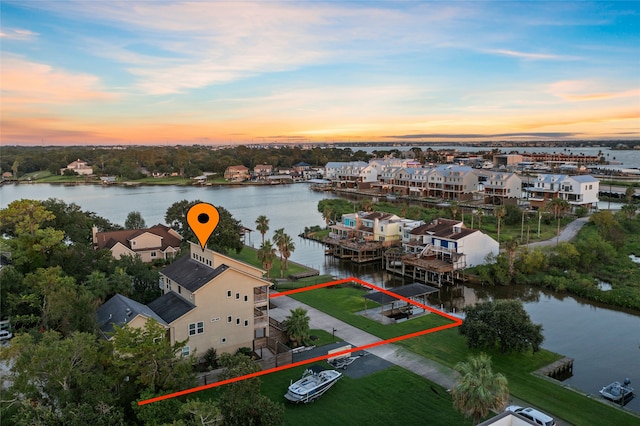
{"x":566,"y":234}
{"x":383,"y":354}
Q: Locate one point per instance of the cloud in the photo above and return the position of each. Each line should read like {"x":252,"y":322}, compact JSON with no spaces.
{"x":18,"y":34}
{"x":583,"y":90}
{"x":26,"y":83}
{"x":532,"y":56}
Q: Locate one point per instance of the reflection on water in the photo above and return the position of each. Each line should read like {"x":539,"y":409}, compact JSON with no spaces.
{"x":605,"y":343}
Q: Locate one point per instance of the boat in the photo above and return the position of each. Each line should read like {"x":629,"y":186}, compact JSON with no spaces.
{"x":617,"y":392}
{"x":315,"y":381}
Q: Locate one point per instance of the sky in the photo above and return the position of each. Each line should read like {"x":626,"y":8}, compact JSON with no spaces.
{"x":216,"y":72}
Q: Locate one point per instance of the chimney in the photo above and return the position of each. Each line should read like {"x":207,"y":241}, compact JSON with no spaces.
{"x":94,"y":233}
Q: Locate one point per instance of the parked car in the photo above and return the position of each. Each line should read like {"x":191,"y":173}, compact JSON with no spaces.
{"x":5,"y":335}
{"x":538,"y":417}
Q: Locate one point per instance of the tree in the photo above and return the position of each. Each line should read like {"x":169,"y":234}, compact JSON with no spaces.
{"x":59,"y":380}
{"x":134,"y":221}
{"x":511,"y":248}
{"x":266,"y":254}
{"x":479,"y":389}
{"x":454,"y":206}
{"x":228,"y":234}
{"x":278,"y":240}
{"x":558,"y":206}
{"x":297,"y":324}
{"x":145,"y":359}
{"x":501,"y":323}
{"x":242,"y":403}
{"x":499,"y":212}
{"x":479,"y":213}
{"x":288,"y":247}
{"x":176,"y":218}
{"x":629,"y":194}
{"x":262,"y":225}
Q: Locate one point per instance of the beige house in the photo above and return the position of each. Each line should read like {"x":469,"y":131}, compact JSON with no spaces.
{"x":209,"y":300}
{"x":157,"y":242}
{"x":237,"y":173}
{"x":78,"y":166}
{"x":502,"y":188}
{"x":261,"y":171}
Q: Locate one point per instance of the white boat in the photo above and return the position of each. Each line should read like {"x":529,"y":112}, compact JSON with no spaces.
{"x":314,"y":383}
{"x":617,"y":392}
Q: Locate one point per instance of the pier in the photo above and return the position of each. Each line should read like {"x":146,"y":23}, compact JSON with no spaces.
{"x":559,"y":370}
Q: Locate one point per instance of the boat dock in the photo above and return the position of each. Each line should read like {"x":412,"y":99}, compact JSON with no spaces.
{"x":559,"y":370}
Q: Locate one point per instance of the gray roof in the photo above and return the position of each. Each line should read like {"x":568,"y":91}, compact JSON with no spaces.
{"x":191,"y":274}
{"x":170,"y":306}
{"x":408,"y":291}
{"x":585,"y":178}
{"x":119,"y":310}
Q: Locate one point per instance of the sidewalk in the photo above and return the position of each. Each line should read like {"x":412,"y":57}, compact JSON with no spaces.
{"x":429,"y":369}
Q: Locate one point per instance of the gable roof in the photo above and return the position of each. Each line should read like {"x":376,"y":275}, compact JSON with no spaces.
{"x":110,"y":238}
{"x":191,"y":274}
{"x":170,"y":306}
{"x":119,"y":310}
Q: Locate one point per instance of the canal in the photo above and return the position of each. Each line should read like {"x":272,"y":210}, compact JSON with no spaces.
{"x":604,"y":342}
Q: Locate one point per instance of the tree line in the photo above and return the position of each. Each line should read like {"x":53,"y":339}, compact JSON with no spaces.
{"x":187,"y":161}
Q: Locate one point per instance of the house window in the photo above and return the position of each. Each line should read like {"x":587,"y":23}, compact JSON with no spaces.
{"x":237,"y":296}
{"x":228,"y":293}
{"x":229,"y":319}
{"x":179,"y":290}
{"x":154,"y":254}
{"x":246,"y":323}
{"x":196,"y":328}
{"x":246,"y":298}
{"x":186,"y":351}
{"x":237,"y":321}
{"x":223,"y":340}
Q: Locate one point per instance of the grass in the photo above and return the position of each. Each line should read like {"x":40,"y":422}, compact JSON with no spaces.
{"x":322,"y":337}
{"x":449,"y":347}
{"x":250,"y":255}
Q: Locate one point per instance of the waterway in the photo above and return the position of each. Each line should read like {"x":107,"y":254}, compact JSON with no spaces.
{"x":604,"y":342}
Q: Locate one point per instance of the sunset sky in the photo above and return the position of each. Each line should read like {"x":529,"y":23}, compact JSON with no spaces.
{"x":161,"y":72}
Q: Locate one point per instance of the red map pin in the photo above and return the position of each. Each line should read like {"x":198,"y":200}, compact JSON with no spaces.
{"x":203,"y":219}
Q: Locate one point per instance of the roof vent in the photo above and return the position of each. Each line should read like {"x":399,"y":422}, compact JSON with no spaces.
{"x":128,"y":311}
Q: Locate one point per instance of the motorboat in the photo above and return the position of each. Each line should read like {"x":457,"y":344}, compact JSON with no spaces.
{"x":618,"y":392}
{"x":314,"y":383}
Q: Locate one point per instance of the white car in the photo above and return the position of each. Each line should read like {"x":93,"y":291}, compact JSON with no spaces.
{"x":5,"y":335}
{"x":538,"y":417}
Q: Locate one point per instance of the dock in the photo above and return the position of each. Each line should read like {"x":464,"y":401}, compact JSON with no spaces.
{"x":559,"y":370}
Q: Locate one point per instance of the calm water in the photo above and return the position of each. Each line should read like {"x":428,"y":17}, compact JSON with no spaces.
{"x":605,"y":343}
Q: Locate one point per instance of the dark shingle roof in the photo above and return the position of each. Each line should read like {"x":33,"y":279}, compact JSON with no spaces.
{"x":119,"y":310}
{"x":110,"y":238}
{"x":190,"y":274}
{"x":170,"y":306}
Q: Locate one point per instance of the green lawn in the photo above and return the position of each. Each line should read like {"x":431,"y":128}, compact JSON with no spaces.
{"x":448,"y":347}
{"x":249,"y":255}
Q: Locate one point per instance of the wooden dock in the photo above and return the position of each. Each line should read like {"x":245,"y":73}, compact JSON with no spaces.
{"x":560,"y":370}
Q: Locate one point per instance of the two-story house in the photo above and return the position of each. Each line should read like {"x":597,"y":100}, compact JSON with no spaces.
{"x":581,"y":190}
{"x":79,"y":167}
{"x":209,"y":300}
{"x":261,"y":171}
{"x":156,"y":243}
{"x":502,"y":188}
{"x":237,"y":173}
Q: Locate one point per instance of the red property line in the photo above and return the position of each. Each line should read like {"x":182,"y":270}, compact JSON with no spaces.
{"x":456,"y":322}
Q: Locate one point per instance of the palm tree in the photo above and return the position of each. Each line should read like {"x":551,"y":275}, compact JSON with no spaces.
{"x":327,"y":213}
{"x":453,"y":206}
{"x":262,"y":223}
{"x":297,"y":324}
{"x":479,"y":389}
{"x":511,"y":248}
{"x":366,"y":204}
{"x":266,"y":254}
{"x":629,"y":193}
{"x":278,"y":240}
{"x":559,"y":207}
{"x":288,"y":247}
{"x":499,"y":212}
{"x":480,"y":213}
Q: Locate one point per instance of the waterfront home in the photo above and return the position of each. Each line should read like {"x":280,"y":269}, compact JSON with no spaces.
{"x":334,"y":168}
{"x":156,"y":243}
{"x":375,"y":226}
{"x":79,"y":167}
{"x":261,"y":171}
{"x":236,"y":173}
{"x":438,"y":252}
{"x":209,"y":300}
{"x":578,"y":191}
{"x":502,"y":188}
